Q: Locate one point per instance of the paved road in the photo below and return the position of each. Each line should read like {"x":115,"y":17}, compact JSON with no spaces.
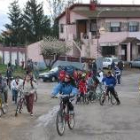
{"x":92,"y":121}
{"x":103,"y":122}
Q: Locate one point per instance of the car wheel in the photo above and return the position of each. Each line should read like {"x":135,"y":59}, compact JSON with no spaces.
{"x":130,"y":65}
{"x":53,"y":79}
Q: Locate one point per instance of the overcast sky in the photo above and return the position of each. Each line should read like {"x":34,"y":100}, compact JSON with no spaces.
{"x":4,"y":4}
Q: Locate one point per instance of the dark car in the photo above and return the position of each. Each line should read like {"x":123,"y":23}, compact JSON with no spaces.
{"x":52,"y":75}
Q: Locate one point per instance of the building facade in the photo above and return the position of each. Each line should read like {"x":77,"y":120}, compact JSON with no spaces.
{"x":102,"y":30}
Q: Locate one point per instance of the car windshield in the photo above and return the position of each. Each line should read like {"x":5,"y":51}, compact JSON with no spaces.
{"x":116,"y":60}
{"x":54,"y":69}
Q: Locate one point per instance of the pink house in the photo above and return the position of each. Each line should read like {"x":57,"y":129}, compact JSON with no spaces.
{"x":102,"y":30}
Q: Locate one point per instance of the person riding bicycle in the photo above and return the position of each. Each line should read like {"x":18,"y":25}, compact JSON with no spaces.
{"x":110,"y":83}
{"x":66,"y":88}
{"x":82,"y":88}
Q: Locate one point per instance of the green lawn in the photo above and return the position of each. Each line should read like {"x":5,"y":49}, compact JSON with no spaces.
{"x":17,"y":72}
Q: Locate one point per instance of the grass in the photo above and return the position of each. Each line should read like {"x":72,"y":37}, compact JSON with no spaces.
{"x":17,"y":72}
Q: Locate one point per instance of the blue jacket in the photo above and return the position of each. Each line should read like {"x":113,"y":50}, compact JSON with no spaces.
{"x":109,"y":81}
{"x":65,"y":88}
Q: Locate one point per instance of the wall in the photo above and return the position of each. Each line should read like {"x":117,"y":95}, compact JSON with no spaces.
{"x":10,"y":54}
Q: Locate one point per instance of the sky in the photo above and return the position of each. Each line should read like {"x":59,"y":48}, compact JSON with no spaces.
{"x":4,"y":4}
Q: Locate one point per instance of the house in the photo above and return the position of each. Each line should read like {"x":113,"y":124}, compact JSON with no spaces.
{"x":101,"y":30}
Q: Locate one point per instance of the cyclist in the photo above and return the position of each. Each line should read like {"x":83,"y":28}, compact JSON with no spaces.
{"x":66,"y":88}
{"x":82,"y":88}
{"x":110,"y":83}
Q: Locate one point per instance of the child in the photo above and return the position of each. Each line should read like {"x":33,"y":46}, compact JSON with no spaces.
{"x":82,"y":89}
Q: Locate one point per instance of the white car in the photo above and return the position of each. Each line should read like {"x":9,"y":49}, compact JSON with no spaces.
{"x":107,"y":61}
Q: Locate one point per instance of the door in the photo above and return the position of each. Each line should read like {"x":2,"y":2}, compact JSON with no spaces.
{"x":124,"y":53}
{"x":81,"y":27}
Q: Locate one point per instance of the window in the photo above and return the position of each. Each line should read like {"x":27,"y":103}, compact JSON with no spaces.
{"x":61,"y":28}
{"x":133,"y":26}
{"x":108,"y":50}
{"x":115,"y":27}
{"x":138,"y":49}
{"x":93,"y":27}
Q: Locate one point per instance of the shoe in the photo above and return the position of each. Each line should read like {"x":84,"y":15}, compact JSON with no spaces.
{"x":118,"y":103}
{"x":2,"y":105}
{"x":31,"y":114}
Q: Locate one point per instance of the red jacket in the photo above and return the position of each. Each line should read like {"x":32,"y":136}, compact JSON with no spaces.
{"x":82,"y":87}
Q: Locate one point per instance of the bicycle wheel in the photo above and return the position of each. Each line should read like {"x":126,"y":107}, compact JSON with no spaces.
{"x":112,"y":99}
{"x":93,"y":97}
{"x":102,"y":98}
{"x":19,"y":106}
{"x":71,"y":121}
{"x":60,"y":123}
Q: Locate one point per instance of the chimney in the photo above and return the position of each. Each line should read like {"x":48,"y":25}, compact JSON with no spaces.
{"x":92,"y":5}
{"x":67,"y":15}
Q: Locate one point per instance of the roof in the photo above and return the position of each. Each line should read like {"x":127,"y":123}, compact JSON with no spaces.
{"x":109,"y":14}
{"x":98,"y":6}
{"x":130,"y":40}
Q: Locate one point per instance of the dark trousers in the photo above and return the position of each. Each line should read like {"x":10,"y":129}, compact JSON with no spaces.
{"x":5,"y":96}
{"x":112,"y":91}
{"x":66,"y":101}
{"x":30,"y":102}
{"x":14,"y":95}
{"x":118,"y":79}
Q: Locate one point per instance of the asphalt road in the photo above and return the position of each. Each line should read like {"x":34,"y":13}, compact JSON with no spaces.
{"x":92,"y":121}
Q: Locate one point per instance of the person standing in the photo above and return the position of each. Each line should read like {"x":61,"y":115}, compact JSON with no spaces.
{"x":16,"y":63}
{"x":118,"y":74}
{"x":15,"y":84}
{"x":9,"y":76}
{"x":29,"y":88}
{"x":22,"y":64}
{"x":94,"y":67}
{"x":36,"y":70}
{"x":120,"y":65}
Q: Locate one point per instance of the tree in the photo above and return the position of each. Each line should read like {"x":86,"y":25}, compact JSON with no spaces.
{"x":52,"y":47}
{"x":35,"y":23}
{"x":57,"y":7}
{"x":14,"y":33}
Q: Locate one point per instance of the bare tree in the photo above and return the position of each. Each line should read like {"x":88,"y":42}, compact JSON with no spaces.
{"x":58,"y":6}
{"x":52,"y":49}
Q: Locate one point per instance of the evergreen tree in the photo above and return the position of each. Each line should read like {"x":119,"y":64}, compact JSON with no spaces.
{"x":14,"y":33}
{"x":36,"y":24}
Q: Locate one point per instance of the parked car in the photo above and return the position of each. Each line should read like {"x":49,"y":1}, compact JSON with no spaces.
{"x":107,"y":61}
{"x":135,"y":63}
{"x":52,"y":75}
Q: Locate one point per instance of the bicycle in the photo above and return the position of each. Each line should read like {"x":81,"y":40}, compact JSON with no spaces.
{"x":92,"y":94}
{"x":64,"y":116}
{"x":111,"y":98}
{"x":20,"y":103}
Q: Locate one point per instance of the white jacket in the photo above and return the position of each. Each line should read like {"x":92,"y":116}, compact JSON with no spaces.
{"x":15,"y":85}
